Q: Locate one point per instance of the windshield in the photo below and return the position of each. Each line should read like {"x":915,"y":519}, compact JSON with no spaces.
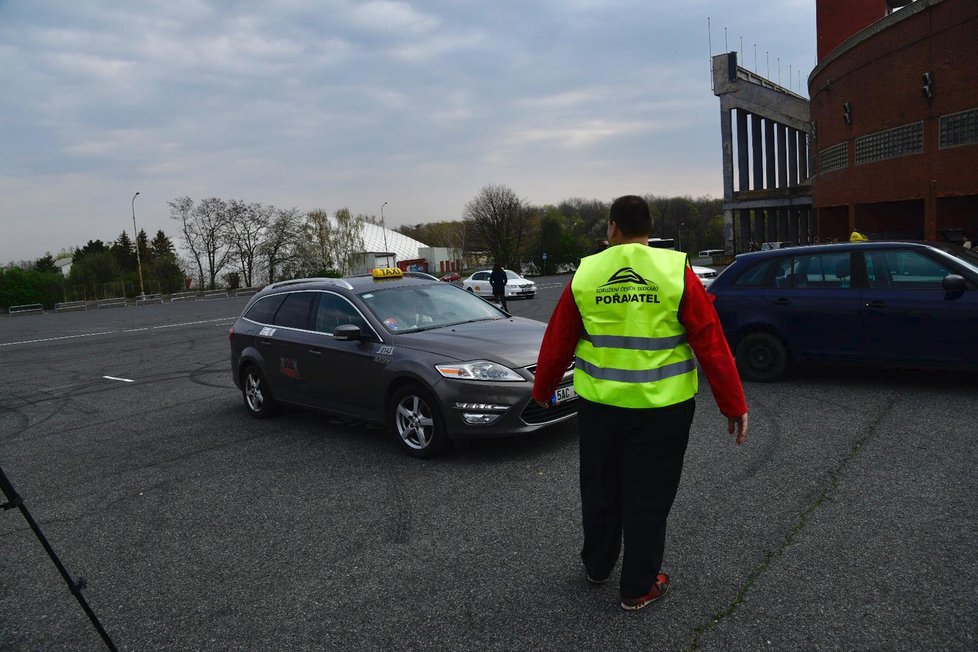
{"x":412,"y":308}
{"x":967,"y":256}
{"x":511,"y":275}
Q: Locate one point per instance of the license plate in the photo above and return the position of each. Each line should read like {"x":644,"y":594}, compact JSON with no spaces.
{"x":564,"y":394}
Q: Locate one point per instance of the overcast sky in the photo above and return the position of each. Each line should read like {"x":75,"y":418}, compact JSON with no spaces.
{"x":344,"y":103}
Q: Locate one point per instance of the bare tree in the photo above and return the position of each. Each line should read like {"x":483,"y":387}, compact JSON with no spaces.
{"x":280,"y":247}
{"x":204,"y":229}
{"x":502,"y":221}
{"x":246,"y":228}
{"x":182,"y":210}
{"x":211,"y":216}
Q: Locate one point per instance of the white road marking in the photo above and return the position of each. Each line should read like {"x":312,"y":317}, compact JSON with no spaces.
{"x":124,"y":380}
{"x":229,"y":320}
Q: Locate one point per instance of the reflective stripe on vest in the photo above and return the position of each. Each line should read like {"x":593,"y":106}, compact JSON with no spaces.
{"x":634,"y":351}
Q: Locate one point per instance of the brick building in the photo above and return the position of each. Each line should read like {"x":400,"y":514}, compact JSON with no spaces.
{"x":894,"y":109}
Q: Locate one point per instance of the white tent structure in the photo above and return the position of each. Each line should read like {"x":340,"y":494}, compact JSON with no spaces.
{"x":398,"y":246}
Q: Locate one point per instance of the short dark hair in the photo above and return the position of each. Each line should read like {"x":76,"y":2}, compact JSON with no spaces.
{"x":631,"y":214}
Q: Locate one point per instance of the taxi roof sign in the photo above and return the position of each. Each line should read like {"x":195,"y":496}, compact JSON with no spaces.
{"x":387,"y":272}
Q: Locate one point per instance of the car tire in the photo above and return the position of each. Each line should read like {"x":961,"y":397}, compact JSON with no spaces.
{"x":470,"y":290}
{"x":761,"y":356}
{"x":257,"y":395}
{"x":417,"y":422}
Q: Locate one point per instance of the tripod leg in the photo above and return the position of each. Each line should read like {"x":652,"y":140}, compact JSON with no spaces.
{"x":14,"y":501}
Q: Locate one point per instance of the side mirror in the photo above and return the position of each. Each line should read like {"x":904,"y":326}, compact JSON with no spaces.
{"x":348,"y":332}
{"x":954,"y":283}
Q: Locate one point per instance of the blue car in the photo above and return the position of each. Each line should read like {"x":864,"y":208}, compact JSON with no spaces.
{"x":903,"y":304}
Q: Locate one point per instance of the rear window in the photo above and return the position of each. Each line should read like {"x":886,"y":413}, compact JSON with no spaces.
{"x":264,"y":309}
{"x":295,"y":311}
{"x":755,"y":276}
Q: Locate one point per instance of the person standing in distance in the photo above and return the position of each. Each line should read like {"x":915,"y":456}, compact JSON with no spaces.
{"x":633,"y":316}
{"x":498,"y":280}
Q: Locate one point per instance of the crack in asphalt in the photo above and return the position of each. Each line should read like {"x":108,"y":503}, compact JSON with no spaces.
{"x":796,"y":529}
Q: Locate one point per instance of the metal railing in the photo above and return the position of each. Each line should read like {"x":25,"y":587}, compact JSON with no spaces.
{"x":66,"y":306}
{"x":146,"y":299}
{"x":114,"y":302}
{"x":25,"y":309}
{"x":183,"y":296}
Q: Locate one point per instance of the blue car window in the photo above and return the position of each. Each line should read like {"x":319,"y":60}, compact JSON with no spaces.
{"x":831,"y":270}
{"x":784,"y":269}
{"x":907,"y":270}
{"x":754,"y":277}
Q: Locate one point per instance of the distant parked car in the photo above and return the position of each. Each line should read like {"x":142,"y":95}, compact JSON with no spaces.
{"x":904,"y":304}
{"x":710,"y":253}
{"x":705,"y":274}
{"x":451,"y":277}
{"x":516,"y":285}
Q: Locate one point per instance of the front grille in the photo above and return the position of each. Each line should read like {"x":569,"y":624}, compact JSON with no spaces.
{"x":533,"y":413}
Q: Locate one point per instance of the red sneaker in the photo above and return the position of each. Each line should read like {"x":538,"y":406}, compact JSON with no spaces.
{"x":658,"y":590}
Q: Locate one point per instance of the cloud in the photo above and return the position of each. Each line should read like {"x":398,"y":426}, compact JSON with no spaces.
{"x":350,"y":103}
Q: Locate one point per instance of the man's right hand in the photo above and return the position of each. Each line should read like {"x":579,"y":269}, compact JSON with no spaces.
{"x":738,"y":424}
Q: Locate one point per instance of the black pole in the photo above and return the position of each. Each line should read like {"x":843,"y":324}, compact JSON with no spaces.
{"x":14,"y":500}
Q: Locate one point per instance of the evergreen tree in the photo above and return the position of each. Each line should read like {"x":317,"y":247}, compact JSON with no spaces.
{"x":45,"y":264}
{"x":145,"y":253}
{"x":161,"y":245}
{"x":93,"y":247}
{"x":125,"y":254}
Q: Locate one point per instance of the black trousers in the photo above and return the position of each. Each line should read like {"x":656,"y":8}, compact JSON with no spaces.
{"x":631,"y":463}
{"x":500,"y":296}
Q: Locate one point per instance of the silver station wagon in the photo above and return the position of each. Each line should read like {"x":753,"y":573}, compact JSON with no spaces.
{"x":427,"y":359}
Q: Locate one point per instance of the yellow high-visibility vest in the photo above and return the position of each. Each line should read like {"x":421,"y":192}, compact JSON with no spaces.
{"x":633,"y":352}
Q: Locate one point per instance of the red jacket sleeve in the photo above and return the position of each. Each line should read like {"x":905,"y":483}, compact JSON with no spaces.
{"x":705,"y":334}
{"x":559,"y":344}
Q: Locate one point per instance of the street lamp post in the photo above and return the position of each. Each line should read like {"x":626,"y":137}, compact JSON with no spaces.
{"x":139,"y":264}
{"x":383,"y":225}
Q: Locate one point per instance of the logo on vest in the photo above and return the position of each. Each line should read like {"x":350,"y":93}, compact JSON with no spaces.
{"x":627,"y":286}
{"x":626,"y":275}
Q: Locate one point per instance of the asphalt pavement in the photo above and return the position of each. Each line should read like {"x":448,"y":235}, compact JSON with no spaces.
{"x":847,"y":521}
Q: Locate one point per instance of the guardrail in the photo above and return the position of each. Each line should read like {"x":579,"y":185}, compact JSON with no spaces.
{"x":215,"y":294}
{"x":114,"y":302}
{"x":25,"y":309}
{"x":183,"y":296}
{"x":244,"y":292}
{"x":65,"y":306}
{"x":146,"y":299}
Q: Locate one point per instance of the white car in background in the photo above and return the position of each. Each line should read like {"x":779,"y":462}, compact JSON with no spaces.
{"x":705,"y":274}
{"x":516,"y":285}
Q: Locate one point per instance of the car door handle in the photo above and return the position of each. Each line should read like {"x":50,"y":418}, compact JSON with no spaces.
{"x":315,"y":351}
{"x":782,"y":301}
{"x":265,"y":342}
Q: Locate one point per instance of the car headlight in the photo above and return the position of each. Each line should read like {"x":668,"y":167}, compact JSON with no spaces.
{"x":479,"y":370}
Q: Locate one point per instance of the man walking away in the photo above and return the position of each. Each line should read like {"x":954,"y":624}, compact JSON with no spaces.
{"x":498,"y":280}
{"x":633,"y":316}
